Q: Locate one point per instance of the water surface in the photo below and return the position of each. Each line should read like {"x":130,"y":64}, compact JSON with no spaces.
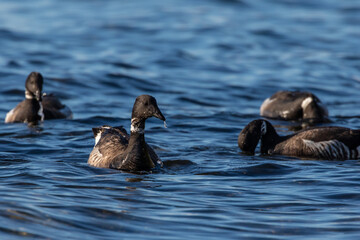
{"x":210,"y":64}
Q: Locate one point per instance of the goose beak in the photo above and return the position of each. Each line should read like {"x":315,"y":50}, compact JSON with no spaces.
{"x":159,"y":115}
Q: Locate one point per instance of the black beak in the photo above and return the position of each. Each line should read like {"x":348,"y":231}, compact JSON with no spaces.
{"x":158,"y":114}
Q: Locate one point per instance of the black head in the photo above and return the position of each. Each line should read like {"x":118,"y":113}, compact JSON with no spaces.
{"x":249,"y":137}
{"x":33,"y":85}
{"x":255,"y":131}
{"x":145,"y":106}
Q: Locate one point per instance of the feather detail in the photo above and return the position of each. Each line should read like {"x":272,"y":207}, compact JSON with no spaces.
{"x":332,"y":149}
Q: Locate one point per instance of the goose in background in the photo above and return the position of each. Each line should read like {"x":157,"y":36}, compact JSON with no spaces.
{"x":331,"y":143}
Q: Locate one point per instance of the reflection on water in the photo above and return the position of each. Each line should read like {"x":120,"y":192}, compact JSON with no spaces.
{"x":210,"y":65}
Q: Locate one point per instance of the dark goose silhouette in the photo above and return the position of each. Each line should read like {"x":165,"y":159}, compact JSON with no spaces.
{"x":332,"y":143}
{"x":114,"y":148}
{"x":37,"y":106}
{"x":294,"y":105}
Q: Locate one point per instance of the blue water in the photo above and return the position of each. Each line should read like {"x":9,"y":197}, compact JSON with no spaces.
{"x":210,"y":64}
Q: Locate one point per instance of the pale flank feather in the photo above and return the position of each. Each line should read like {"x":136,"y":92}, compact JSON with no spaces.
{"x":9,"y":116}
{"x":332,"y":149}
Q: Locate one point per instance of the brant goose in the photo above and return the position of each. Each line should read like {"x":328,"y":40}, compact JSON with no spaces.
{"x":37,"y":106}
{"x":294,"y":105}
{"x":332,"y":143}
{"x":114,"y":148}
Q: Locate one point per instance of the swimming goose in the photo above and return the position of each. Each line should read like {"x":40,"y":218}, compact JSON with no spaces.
{"x":294,"y":105}
{"x":114,"y":148}
{"x":36,"y":106}
{"x":332,"y":143}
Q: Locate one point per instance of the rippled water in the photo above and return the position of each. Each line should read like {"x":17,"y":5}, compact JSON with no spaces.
{"x":210,"y":64}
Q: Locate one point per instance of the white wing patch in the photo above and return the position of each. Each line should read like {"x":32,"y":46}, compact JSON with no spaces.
{"x":284,"y":114}
{"x":97,"y":138}
{"x":9,"y":115}
{"x":99,"y":133}
{"x":332,"y":149}
{"x":264,"y":105}
{"x":306,"y":102}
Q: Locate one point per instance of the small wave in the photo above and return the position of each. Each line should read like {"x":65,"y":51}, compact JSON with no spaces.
{"x":264,"y":169}
{"x":268,"y":33}
{"x":124,"y":65}
{"x":198,"y":102}
{"x":179,"y":166}
{"x":177,"y":163}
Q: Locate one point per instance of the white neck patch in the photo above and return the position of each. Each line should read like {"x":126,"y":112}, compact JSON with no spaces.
{"x":137,"y":130}
{"x":306,"y":102}
{"x":41,"y":112}
{"x":263,"y":128}
{"x":28,"y":95}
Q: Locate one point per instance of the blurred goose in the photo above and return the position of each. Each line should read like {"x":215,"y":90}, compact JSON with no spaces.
{"x":294,"y":105}
{"x":36,"y":106}
{"x":114,"y":148}
{"x":332,"y":143}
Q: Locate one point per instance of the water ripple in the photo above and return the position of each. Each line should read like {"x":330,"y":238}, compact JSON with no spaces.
{"x":210,"y":64}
